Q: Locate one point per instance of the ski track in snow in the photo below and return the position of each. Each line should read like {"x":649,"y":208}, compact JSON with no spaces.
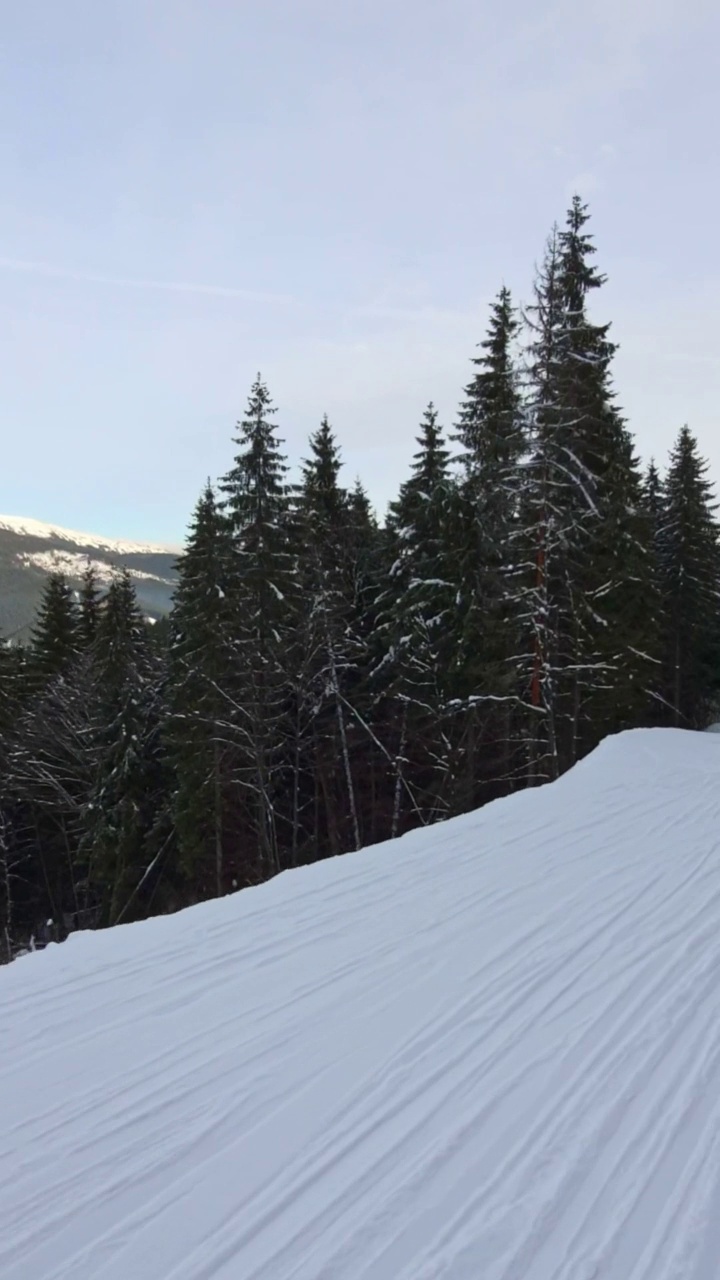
{"x":487,"y":1051}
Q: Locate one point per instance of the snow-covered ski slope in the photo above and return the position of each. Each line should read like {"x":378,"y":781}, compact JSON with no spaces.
{"x":487,"y":1051}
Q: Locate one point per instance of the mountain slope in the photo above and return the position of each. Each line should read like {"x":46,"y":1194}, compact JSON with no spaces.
{"x":487,"y":1051}
{"x":30,"y":550}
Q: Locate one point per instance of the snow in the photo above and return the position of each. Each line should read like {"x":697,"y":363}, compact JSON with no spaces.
{"x":487,"y":1051}
{"x":75,"y":563}
{"x":53,"y":533}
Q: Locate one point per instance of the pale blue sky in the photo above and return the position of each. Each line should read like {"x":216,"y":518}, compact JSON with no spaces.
{"x":329,"y":191}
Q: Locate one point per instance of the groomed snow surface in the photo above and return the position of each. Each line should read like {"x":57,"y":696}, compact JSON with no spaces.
{"x":487,"y":1051}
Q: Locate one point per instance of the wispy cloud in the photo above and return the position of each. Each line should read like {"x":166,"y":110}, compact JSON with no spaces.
{"x":128,"y":282}
{"x":374,"y":309}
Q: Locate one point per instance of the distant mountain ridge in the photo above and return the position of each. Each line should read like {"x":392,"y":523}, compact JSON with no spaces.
{"x":31,"y":549}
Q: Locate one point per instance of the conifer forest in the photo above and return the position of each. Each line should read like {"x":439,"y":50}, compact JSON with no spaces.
{"x":325,"y":680}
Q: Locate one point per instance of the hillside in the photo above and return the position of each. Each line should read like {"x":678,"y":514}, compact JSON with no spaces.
{"x":487,"y":1051}
{"x":30,"y":550}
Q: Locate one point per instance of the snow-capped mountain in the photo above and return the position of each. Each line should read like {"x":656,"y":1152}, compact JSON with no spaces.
{"x":53,"y":532}
{"x":31,"y":549}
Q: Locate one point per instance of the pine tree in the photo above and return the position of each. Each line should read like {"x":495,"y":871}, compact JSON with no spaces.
{"x":653,"y":499}
{"x":576,"y":424}
{"x":262,"y":586}
{"x":89,"y":607}
{"x":121,"y":644}
{"x":128,"y":794}
{"x":652,"y":505}
{"x":541,"y":537}
{"x":323,"y":499}
{"x":52,"y":759}
{"x":690,"y":575}
{"x":197,"y":711}
{"x":626,"y":600}
{"x":419,"y":629}
{"x":10,"y":665}
{"x":7,"y":945}
{"x":331,"y":650}
{"x":585,"y":543}
{"x":491,"y":428}
{"x":45,"y":770}
{"x":55,"y":634}
{"x":492,"y":435}
{"x":370,"y":559}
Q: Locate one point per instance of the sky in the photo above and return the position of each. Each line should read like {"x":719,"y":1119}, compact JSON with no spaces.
{"x":330,"y":192}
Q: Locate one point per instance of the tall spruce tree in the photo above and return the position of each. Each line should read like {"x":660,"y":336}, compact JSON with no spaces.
{"x":419,"y":625}
{"x":262,"y":587}
{"x":51,"y":772}
{"x":197,"y":704}
{"x":652,"y":507}
{"x":10,"y":668}
{"x":491,"y":432}
{"x":615,"y":588}
{"x":128,"y":793}
{"x":47,"y":766}
{"x":653,"y":498}
{"x":89,"y":607}
{"x":370,"y":560}
{"x":542,"y":536}
{"x":11,"y":663}
{"x":332,"y":649}
{"x":586,"y":542}
{"x":55,"y":636}
{"x":689,"y":555}
{"x":626,"y":599}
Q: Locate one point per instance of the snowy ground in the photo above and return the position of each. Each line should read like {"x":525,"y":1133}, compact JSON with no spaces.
{"x":488,"y":1051}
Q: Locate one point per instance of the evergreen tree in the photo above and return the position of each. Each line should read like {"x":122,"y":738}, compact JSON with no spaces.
{"x":585,"y":542}
{"x":10,"y":669}
{"x":572,"y":421}
{"x":420,"y":633}
{"x":542,"y":537}
{"x":262,"y":587}
{"x":89,"y":608}
{"x":121,"y":648}
{"x":7,"y":945}
{"x":45,"y":768}
{"x":492,"y":435}
{"x":11,"y":666}
{"x":55,"y":634}
{"x":690,"y":575}
{"x":331,"y":650}
{"x":625,"y":598}
{"x":370,"y":559}
{"x":363,"y":518}
{"x":52,"y":759}
{"x":652,"y":505}
{"x":199,"y":669}
{"x":491,"y":428}
{"x":323,"y":500}
{"x":653,"y":499}
{"x":128,"y":794}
